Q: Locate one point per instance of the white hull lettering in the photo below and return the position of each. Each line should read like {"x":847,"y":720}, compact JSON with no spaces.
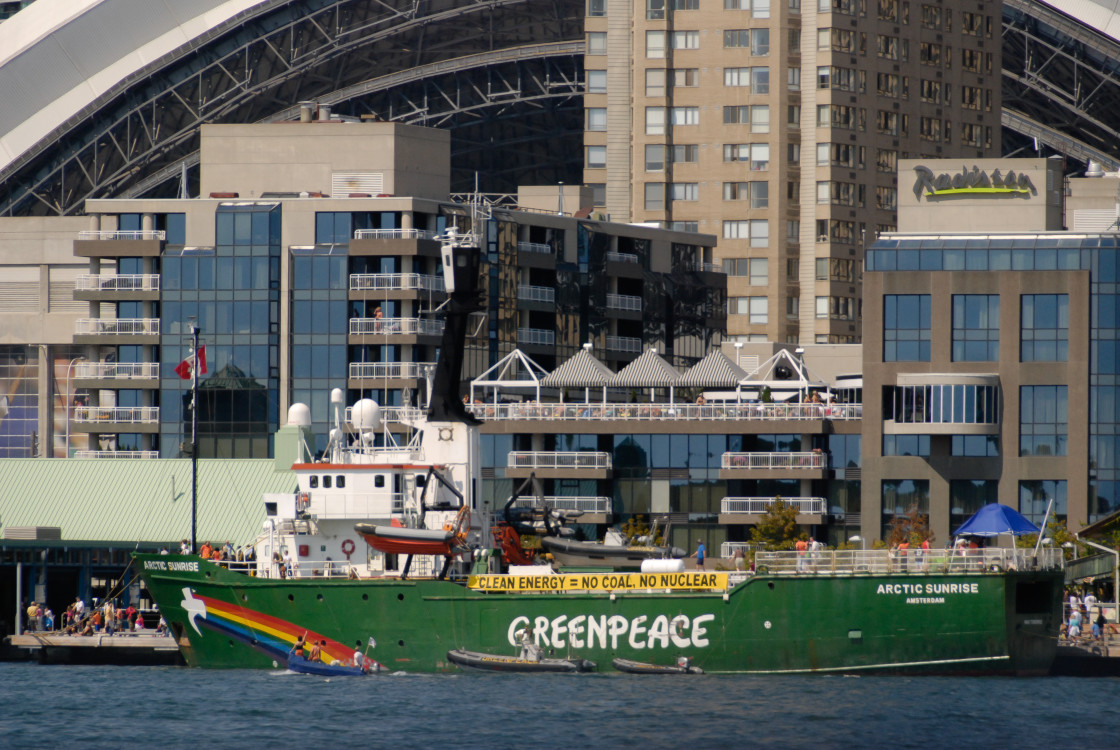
{"x":607,"y":631}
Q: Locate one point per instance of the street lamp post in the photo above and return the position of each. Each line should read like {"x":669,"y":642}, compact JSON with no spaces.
{"x":69,"y":402}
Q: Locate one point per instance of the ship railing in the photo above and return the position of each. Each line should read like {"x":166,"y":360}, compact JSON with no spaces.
{"x":116,"y":454}
{"x":667,"y":411}
{"x":300,"y":568}
{"x":393,"y":414}
{"x":778,"y":460}
{"x":559,"y":460}
{"x":760,"y":505}
{"x":587,"y":504}
{"x":908,"y":562}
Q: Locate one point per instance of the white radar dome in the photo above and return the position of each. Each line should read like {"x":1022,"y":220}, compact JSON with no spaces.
{"x":366,"y":415}
{"x":337,"y":397}
{"x":299,"y":415}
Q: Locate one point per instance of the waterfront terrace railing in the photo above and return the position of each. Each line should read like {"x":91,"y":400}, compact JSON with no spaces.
{"x":665,"y":411}
{"x":559,"y":460}
{"x":395,"y":326}
{"x":395,"y":234}
{"x":389,"y":370}
{"x":116,"y":326}
{"x":849,"y":562}
{"x":117,"y":282}
{"x":583,"y":504}
{"x":116,"y":370}
{"x":147,"y":234}
{"x":787,"y":460}
{"x":116,"y":454}
{"x":126,"y":414}
{"x":760,"y":505}
{"x":378,"y":282}
{"x":727,"y":549}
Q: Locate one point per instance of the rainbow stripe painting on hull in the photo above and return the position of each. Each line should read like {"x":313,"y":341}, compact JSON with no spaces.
{"x":269,"y":635}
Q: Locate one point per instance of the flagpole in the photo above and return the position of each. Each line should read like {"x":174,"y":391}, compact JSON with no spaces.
{"x":194,"y":436}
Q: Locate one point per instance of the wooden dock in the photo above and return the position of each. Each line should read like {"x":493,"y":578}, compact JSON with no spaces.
{"x":119,"y":649}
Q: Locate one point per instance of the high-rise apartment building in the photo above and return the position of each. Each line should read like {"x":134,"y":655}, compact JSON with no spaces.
{"x":778,"y":127}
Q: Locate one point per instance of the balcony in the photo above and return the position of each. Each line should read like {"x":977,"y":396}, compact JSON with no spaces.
{"x":623,"y":258}
{"x":395,"y":234}
{"x":113,"y":419}
{"x":594,"y":509}
{"x":559,"y":464}
{"x":113,"y":330}
{"x":534,"y":247}
{"x":117,"y":374}
{"x":395,"y":282}
{"x":788,"y":465}
{"x":115,"y":244}
{"x":703,"y":267}
{"x":116,"y":454}
{"x":536,"y":336}
{"x":390,"y":370}
{"x":624,"y":344}
{"x":542,"y":294}
{"x":395,"y":327}
{"x":111,"y":286}
{"x":742,"y":510}
{"x":624,"y":302}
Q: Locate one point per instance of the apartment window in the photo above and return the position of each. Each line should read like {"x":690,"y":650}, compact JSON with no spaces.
{"x":686,"y":77}
{"x":756,"y":308}
{"x":684,"y":226}
{"x":835,"y":269}
{"x":931,"y":17}
{"x":758,"y":193}
{"x":655,"y":45}
{"x":684,"y":191}
{"x":596,"y":42}
{"x":1035,"y":498}
{"x":906,"y":327}
{"x":793,"y":79}
{"x":972,"y":135}
{"x":655,"y":196}
{"x":836,"y":155}
{"x":758,"y":79}
{"x":886,"y":122}
{"x":841,"y":308}
{"x":886,"y":160}
{"x":756,"y":115}
{"x":972,"y":97}
{"x":886,"y":198}
{"x":655,"y":82}
{"x":887,"y":47}
{"x":929,"y":54}
{"x":759,"y":274}
{"x":793,"y":233}
{"x":888,"y":10}
{"x":685,"y":153}
{"x":792,"y":303}
{"x":596,"y":8}
{"x":757,"y":40}
{"x":686,"y":115}
{"x":755,"y":230}
{"x":596,"y":81}
{"x":887,"y":84}
{"x":930,"y":91}
{"x":756,"y":154}
{"x":655,"y":10}
{"x":793,"y":115}
{"x":655,"y":120}
{"x":1045,"y":328}
{"x":976,"y":446}
{"x":971,"y":60}
{"x":686,"y":40}
{"x":906,"y":445}
{"x":596,"y":157}
{"x":686,"y":4}
{"x":1043,"y":420}
{"x":972,"y":24}
{"x":975,"y":327}
{"x":597,"y":119}
{"x":655,"y":157}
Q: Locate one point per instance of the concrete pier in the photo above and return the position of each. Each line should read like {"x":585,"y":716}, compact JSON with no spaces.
{"x":120,"y":649}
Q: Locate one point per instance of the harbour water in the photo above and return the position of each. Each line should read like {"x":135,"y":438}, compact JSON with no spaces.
{"x":171,"y":707}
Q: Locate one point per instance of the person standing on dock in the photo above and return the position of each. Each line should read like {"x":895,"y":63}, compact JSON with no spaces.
{"x":33,"y":617}
{"x":699,"y":553}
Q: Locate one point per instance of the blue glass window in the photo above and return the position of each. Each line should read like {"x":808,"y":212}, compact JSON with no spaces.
{"x":1045,"y":328}
{"x":906,"y":327}
{"x":1043,"y":420}
{"x":975,"y":327}
{"x":1035,"y":496}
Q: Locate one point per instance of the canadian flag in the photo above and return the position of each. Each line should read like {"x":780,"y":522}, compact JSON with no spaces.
{"x":183,"y":369}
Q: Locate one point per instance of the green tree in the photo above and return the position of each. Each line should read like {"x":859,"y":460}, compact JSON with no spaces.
{"x":912,"y":527}
{"x":1059,"y":535}
{"x":778,"y":527}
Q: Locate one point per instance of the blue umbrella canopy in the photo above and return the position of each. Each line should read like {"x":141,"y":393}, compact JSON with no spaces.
{"x":995,"y":519}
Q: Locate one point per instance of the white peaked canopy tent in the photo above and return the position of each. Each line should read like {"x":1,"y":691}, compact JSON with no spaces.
{"x":515,"y":371}
{"x":714,"y":371}
{"x":785,"y":375}
{"x":581,"y":371}
{"x":648,"y":371}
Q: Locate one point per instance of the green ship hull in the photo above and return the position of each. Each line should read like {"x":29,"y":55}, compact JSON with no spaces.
{"x":983,"y":622}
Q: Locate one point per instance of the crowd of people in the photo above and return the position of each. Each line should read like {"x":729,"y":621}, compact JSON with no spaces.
{"x":1079,"y":623}
{"x":107,"y":618}
{"x":226,"y":553}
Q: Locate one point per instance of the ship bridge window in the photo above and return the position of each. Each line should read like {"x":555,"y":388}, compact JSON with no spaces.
{"x":340,"y":481}
{"x":313,"y":481}
{"x":327,"y":481}
{"x":420,"y":480}
{"x":379,"y":480}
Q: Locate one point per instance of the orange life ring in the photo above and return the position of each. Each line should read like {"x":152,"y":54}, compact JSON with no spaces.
{"x":348,"y":548}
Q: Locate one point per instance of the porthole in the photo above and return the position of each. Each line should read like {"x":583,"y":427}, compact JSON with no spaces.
{"x":365,"y":597}
{"x":291,"y":598}
{"x":400,"y":643}
{"x":770,"y":584}
{"x":319,"y":597}
{"x":400,"y":597}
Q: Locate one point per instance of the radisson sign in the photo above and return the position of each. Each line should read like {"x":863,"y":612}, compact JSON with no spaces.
{"x":974,"y":182}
